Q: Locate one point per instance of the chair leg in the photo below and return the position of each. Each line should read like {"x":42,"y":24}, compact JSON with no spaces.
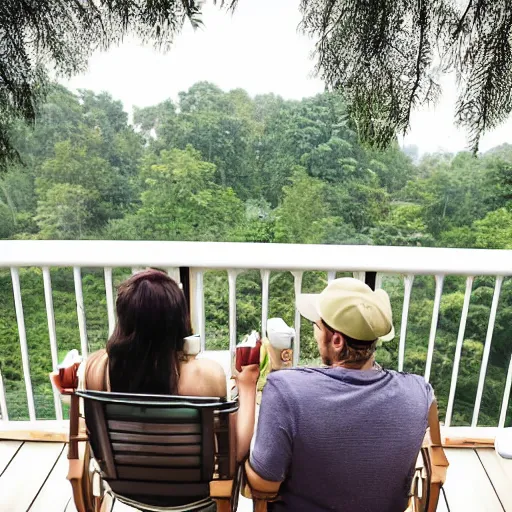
{"x":260,"y":506}
{"x":106,"y":503}
{"x":223,"y":505}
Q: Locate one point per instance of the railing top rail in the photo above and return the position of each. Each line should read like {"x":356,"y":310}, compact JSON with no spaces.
{"x":221,"y":255}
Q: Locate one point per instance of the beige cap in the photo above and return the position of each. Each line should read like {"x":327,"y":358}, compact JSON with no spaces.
{"x":351,"y":307}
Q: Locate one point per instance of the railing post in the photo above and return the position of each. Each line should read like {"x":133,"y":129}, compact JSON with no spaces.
{"x":197,"y":311}
{"x":185,"y":283}
{"x":506,"y":396}
{"x":15,"y":276}
{"x":52,"y":333}
{"x":174,"y":273}
{"x":232,"y":275}
{"x":408,"y":280}
{"x":458,"y":350}
{"x":487,"y":350}
{"x":265,"y":282}
{"x":297,"y":282}
{"x":80,"y":310}
{"x":361,"y":276}
{"x":4,"y":415}
{"x":109,"y":292}
{"x":433,"y":326}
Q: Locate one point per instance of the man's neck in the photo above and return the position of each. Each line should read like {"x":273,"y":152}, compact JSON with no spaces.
{"x":368,"y":365}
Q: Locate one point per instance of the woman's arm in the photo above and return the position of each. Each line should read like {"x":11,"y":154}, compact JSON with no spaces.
{"x":246,"y":382}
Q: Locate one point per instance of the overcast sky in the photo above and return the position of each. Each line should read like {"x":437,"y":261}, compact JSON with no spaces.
{"x":258,"y":49}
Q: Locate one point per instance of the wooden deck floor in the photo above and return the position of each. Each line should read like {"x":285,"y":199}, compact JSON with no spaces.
{"x":33,"y":478}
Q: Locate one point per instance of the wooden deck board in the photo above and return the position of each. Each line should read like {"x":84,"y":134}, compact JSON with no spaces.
{"x":8,"y":450}
{"x":56,"y":491}
{"x":495,"y":466}
{"x":40,"y":430}
{"x":26,"y":474}
{"x":468,"y":488}
{"x":441,"y":505}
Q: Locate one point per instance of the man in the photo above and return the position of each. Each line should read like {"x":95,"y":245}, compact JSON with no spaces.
{"x":344,"y":437}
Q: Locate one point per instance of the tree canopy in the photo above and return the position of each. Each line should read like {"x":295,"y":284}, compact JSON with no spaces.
{"x":388,"y":56}
{"x":39,"y":35}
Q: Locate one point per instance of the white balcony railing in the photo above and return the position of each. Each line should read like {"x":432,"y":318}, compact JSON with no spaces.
{"x":234,"y":258}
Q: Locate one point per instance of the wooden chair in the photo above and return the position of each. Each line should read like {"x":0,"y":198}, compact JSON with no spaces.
{"x":431,"y":468}
{"x":153,"y":452}
{"x":429,"y":475}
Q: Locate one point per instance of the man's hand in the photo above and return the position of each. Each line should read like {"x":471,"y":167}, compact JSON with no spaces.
{"x":246,"y":382}
{"x":248,"y":377}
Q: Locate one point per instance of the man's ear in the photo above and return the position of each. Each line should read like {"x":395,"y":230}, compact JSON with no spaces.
{"x":338,"y":342}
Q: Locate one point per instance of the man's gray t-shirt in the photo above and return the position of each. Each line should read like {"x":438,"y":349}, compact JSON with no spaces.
{"x":341,"y":440}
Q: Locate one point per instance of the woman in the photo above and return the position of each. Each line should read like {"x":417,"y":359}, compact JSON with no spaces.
{"x":145,"y":353}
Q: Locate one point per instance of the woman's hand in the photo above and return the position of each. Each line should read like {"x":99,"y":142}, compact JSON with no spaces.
{"x":55,"y":380}
{"x":65,"y":381}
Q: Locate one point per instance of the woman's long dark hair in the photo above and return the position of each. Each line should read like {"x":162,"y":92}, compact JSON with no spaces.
{"x":152,"y":320}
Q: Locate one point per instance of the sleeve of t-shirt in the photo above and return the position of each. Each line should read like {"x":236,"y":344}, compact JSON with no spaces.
{"x":271,"y":454}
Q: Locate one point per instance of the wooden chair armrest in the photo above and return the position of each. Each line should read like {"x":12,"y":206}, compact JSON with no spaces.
{"x":80,"y":479}
{"x":77,"y":428}
{"x":221,"y":489}
{"x":220,"y":492}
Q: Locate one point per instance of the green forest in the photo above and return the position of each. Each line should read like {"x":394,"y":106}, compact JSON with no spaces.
{"x":216,"y":165}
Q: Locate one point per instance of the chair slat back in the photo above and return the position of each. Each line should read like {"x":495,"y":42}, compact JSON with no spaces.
{"x":160,"y":450}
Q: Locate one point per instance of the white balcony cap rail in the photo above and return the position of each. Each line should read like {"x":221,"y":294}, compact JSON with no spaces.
{"x":212,"y":255}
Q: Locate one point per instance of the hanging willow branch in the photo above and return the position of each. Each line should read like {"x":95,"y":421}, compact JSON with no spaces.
{"x":387,"y":57}
{"x":37,"y":35}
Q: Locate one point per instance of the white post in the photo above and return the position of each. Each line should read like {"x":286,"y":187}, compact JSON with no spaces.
{"x":458,"y":351}
{"x":197,"y":280}
{"x":232,"y":275}
{"x":378,"y":281}
{"x":23,"y":342}
{"x":3,"y":402}
{"x":52,"y":334}
{"x":265,"y":284}
{"x":297,"y":281}
{"x":360,"y":275}
{"x":174,"y":273}
{"x":487,"y":350}
{"x":109,"y":292}
{"x":80,"y":310}
{"x":433,"y":326}
{"x":408,"y":280}
{"x":506,"y":396}
{"x":331,"y":276}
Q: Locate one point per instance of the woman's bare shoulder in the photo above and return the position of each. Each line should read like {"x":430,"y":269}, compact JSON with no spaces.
{"x":202,"y":377}
{"x":209,"y":364}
